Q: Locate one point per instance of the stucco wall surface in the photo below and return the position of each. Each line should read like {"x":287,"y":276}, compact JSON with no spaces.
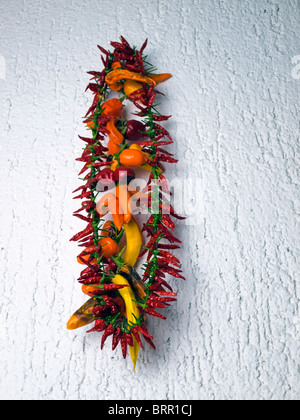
{"x":234,"y":332}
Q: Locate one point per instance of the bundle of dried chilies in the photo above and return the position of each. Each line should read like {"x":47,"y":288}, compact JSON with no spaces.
{"x":119,"y":298}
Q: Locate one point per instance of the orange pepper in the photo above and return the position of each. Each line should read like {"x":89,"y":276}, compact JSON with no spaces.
{"x":112,"y":108}
{"x":113,"y":148}
{"x":91,"y":291}
{"x":159,"y":78}
{"x":117,"y":65}
{"x":91,"y":124}
{"x":132,"y":158}
{"x":131,"y":86}
{"x":114,"y":165}
{"x":84,"y":316}
{"x":109,"y":247}
{"x":114,"y":133}
{"x":108,"y":230}
{"x":86,"y":256}
{"x":114,"y":77}
{"x":110,"y":203}
{"x":124,"y":198}
{"x":138,"y":194}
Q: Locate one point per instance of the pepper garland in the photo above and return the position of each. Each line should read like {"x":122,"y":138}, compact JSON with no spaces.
{"x":120,"y":299}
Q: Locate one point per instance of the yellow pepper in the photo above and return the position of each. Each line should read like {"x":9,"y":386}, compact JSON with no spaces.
{"x":131,"y":86}
{"x":132,"y":313}
{"x":134,"y":244}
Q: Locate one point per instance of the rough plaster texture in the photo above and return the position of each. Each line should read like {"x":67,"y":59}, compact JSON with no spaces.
{"x":234,"y":333}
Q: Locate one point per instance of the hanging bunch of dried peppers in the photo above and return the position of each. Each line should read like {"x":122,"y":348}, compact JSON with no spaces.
{"x":120,"y":299}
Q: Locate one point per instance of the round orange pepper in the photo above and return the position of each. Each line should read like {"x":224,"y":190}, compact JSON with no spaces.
{"x":132,"y":158}
{"x":109,"y":247}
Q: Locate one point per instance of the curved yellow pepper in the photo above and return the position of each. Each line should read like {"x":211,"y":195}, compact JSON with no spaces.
{"x":134,"y":244}
{"x":132,"y":313}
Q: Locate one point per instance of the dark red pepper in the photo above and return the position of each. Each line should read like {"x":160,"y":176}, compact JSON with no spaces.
{"x":135,"y":130}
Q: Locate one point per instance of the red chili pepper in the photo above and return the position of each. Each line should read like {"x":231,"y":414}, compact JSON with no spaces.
{"x":161,"y":118}
{"x":116,"y":338}
{"x":163,"y":293}
{"x":169,"y":235}
{"x":84,"y":194}
{"x":135,"y":333}
{"x":87,"y":140}
{"x":86,"y":219}
{"x":103,"y":50}
{"x":87,"y":231}
{"x":155,"y":304}
{"x":98,"y":310}
{"x":109,"y":331}
{"x":152,"y":312}
{"x":126,"y":43}
{"x":133,"y":68}
{"x":149,"y":341}
{"x":162,"y":282}
{"x":129,"y":340}
{"x":118,"y":46}
{"x":144,"y":46}
{"x":157,"y":298}
{"x":100,"y":326}
{"x":124,"y":345}
{"x":86,"y":244}
{"x":173,"y":273}
{"x":168,"y":255}
{"x":123,"y":56}
{"x":169,"y":261}
{"x":167,"y":221}
{"x":143,"y":330}
{"x":168,"y":159}
{"x":84,"y":169}
{"x":93,"y":87}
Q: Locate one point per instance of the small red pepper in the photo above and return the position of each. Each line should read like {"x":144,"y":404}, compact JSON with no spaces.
{"x":109,"y":331}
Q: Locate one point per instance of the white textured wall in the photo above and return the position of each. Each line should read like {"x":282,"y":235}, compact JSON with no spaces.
{"x":234,"y":333}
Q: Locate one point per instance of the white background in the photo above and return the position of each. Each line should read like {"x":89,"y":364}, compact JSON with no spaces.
{"x":234,"y":332}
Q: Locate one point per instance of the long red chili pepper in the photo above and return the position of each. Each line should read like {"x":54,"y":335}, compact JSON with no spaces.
{"x":112,"y":300}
